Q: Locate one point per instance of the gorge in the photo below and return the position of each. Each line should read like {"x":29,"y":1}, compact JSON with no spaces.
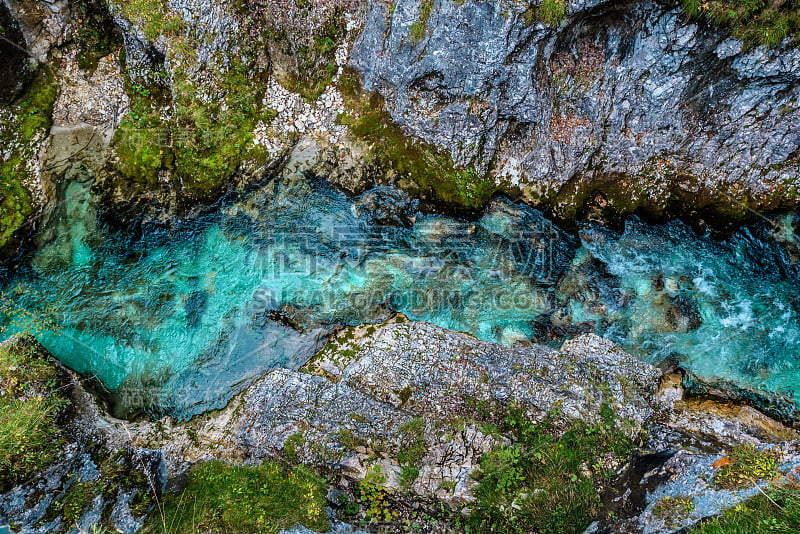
{"x":395,"y":257}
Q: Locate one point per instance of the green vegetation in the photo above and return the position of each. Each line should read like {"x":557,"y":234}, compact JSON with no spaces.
{"x":420,"y":27}
{"x":142,"y":138}
{"x":374,"y":496}
{"x":673,"y":510}
{"x":199,"y":139}
{"x":423,"y":169}
{"x":745,"y":466}
{"x":547,"y":481}
{"x":153,"y":16}
{"x":551,"y":12}
{"x":777,"y":511}
{"x":121,"y":470}
{"x":27,"y":117}
{"x":77,"y":497}
{"x":30,"y":404}
{"x":96,"y":34}
{"x":311,"y":67}
{"x":760,"y":22}
{"x":262,"y":499}
{"x":412,"y":439}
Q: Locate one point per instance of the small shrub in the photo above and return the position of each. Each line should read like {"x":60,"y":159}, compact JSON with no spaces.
{"x":746,"y":466}
{"x":374,"y":496}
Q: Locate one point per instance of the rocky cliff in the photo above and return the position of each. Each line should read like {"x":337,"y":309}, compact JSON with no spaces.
{"x":587,"y":108}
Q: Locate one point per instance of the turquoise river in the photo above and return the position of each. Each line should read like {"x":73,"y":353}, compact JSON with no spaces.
{"x":176,"y":317}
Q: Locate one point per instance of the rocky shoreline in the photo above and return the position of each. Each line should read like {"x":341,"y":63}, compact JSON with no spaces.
{"x":423,"y":407}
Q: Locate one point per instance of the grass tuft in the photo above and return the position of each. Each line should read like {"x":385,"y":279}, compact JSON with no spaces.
{"x":777,"y":511}
{"x":30,"y":404}
{"x":757,"y":22}
{"x":551,"y":12}
{"x":261,"y":499}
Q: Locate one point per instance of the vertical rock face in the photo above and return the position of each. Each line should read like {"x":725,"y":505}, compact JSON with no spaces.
{"x":615,"y":89}
{"x":13,"y":57}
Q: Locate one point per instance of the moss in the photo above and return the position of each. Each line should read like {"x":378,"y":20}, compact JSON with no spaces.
{"x":745,"y":466}
{"x":420,"y":168}
{"x":142,"y":139}
{"x":30,"y":115}
{"x":673,"y":510}
{"x":659,"y":192}
{"x":199,"y":140}
{"x":30,"y":403}
{"x":405,"y":394}
{"x":259,"y":499}
{"x":420,"y":27}
{"x":548,"y":481}
{"x":757,"y":22}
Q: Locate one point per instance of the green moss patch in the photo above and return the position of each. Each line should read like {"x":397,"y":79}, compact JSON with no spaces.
{"x":197,"y":139}
{"x":421,"y":168}
{"x":420,"y":27}
{"x":263,"y":499}
{"x":19,"y":125}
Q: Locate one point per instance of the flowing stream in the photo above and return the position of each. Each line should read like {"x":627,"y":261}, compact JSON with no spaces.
{"x":178,"y":318}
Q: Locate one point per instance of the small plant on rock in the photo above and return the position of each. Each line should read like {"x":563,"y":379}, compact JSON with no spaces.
{"x":673,"y":510}
{"x":745,"y":466}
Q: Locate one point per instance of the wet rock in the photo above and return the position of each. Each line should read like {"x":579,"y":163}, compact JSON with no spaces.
{"x":614,"y":91}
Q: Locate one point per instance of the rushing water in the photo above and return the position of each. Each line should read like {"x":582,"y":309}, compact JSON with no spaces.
{"x":178,"y":318}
